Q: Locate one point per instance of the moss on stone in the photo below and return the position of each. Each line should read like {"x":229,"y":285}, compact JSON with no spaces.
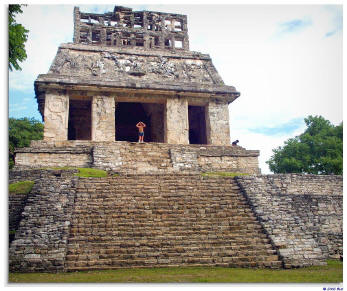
{"x":89,"y":172}
{"x":23,"y":187}
{"x":223,"y":174}
{"x":61,"y":168}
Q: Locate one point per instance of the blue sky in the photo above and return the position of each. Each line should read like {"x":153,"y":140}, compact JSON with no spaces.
{"x":286,"y":60}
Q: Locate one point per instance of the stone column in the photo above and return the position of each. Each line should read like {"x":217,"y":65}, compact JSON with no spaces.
{"x":176,"y":121}
{"x":77,"y":25}
{"x":56,"y":115}
{"x":103,"y":118}
{"x":217,"y":123}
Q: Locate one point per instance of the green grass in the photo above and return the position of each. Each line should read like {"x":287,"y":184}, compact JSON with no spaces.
{"x":88,"y":172}
{"x":332,"y":273}
{"x":61,"y":168}
{"x":83,"y":172}
{"x":223,"y":174}
{"x":23,"y":187}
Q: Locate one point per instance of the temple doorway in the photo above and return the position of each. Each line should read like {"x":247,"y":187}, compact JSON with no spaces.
{"x":80,"y":121}
{"x":197,"y":125}
{"x":128,"y":114}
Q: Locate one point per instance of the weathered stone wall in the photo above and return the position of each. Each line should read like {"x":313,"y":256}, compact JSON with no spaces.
{"x":56,"y":114}
{"x":41,"y":240}
{"x":103,"y":118}
{"x":225,"y":163}
{"x":16,"y":203}
{"x":54,"y":159}
{"x":301,"y":213}
{"x":126,"y":157}
{"x":176,"y":121}
{"x":217,"y":120}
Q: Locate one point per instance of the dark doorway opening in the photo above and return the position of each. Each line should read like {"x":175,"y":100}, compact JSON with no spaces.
{"x":80,"y":121}
{"x":127,"y":116}
{"x":197,"y":125}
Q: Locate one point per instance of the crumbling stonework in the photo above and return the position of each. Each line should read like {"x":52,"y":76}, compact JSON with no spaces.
{"x":124,"y":157}
{"x":126,"y":28}
{"x":302,"y":214}
{"x":40,"y":241}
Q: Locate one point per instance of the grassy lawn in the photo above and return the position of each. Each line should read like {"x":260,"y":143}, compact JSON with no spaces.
{"x":332,"y":273}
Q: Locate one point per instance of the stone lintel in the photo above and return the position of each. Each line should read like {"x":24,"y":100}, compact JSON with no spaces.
{"x":69,"y":82}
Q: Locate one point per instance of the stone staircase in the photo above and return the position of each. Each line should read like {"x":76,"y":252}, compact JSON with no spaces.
{"x":164,"y":220}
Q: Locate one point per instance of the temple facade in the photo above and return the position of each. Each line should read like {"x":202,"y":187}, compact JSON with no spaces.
{"x":128,"y":66}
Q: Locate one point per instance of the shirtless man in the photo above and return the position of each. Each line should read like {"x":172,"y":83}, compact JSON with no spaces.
{"x":141,"y":126}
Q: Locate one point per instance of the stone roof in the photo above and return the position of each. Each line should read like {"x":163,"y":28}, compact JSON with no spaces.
{"x":77,"y":64}
{"x":103,"y":66}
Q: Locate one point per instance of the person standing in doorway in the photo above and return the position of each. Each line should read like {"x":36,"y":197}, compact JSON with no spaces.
{"x":140,"y":125}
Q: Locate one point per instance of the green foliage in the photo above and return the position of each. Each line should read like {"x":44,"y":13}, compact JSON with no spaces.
{"x":316,"y":151}
{"x":23,"y":187}
{"x":17,"y":36}
{"x":321,"y":274}
{"x":21,"y":132}
{"x":88,"y":172}
{"x":223,"y":174}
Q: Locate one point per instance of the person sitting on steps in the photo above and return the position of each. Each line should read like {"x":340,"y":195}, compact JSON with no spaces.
{"x":234,"y":143}
{"x":140,"y":125}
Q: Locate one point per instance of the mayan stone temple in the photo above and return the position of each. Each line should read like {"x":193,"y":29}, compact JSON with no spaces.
{"x":128,"y":66}
{"x":163,"y":202}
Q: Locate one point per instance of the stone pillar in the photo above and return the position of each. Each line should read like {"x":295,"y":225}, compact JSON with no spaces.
{"x":217,"y":123}
{"x":103,"y":118}
{"x":56,"y":115}
{"x":176,"y":121}
{"x":77,"y":25}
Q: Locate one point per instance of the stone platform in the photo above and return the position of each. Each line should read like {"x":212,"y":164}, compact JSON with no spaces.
{"x":131,"y":157}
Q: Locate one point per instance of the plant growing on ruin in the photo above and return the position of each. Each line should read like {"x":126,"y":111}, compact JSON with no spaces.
{"x":23,"y":187}
{"x":316,"y":151}
{"x":89,"y":172}
{"x":17,"y":36}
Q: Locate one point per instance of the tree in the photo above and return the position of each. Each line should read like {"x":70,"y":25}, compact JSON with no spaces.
{"x":17,"y":36}
{"x":316,"y":151}
{"x":21,"y":132}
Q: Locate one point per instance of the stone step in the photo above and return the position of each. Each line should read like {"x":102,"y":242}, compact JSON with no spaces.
{"x":165,"y":221}
{"x":272,"y":265}
{"x":77,"y":246}
{"x":134,"y":253}
{"x":165,"y":229}
{"x":241,"y":262}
